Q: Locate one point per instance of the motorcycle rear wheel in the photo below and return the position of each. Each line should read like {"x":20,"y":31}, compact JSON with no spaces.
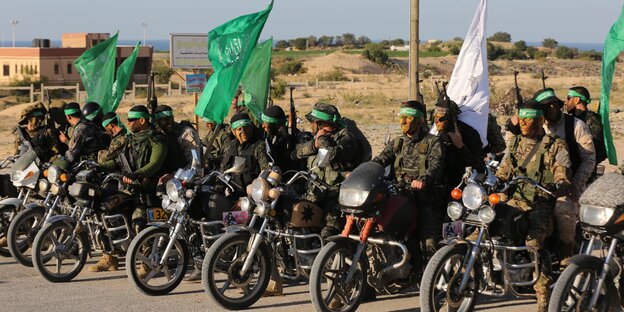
{"x":220,"y":272}
{"x":22,"y":232}
{"x":146,"y":251}
{"x":53,"y":242}
{"x":444,"y":271}
{"x":331,"y":267}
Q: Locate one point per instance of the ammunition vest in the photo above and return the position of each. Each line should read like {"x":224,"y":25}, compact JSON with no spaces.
{"x":535,"y":169}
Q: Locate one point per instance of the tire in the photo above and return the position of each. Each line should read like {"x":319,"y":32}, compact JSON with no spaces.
{"x":22,"y":233}
{"x":228,"y":253}
{"x":137,"y":257}
{"x":48,"y":247}
{"x":355,"y":290}
{"x":6,"y":211}
{"x":583,"y":269}
{"x":455,"y":256}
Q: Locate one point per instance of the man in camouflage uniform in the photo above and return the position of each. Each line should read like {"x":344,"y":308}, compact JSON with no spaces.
{"x":182,"y":139}
{"x":86,"y":137}
{"x":576,"y":104}
{"x":417,"y":160}
{"x":215,"y":141}
{"x":40,"y":138}
{"x":119,"y":135}
{"x":545,"y":159}
{"x":141,"y":161}
{"x":580,"y":145}
{"x":344,"y":152}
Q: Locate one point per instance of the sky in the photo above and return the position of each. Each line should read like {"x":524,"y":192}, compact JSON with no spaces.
{"x":582,"y":21}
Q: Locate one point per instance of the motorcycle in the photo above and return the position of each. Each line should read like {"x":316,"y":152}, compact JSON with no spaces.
{"x":24,"y":175}
{"x":371,"y":253}
{"x":29,"y":221}
{"x":497,"y":262}
{"x":163,"y":249}
{"x":96,"y":225}
{"x":594,"y":282}
{"x":283,"y":232}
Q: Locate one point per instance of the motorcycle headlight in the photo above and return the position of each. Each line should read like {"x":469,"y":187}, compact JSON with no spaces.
{"x":262,"y":209}
{"x":44,"y":186}
{"x":595,"y":215}
{"x":180,"y":205}
{"x":454,"y":210}
{"x":486,"y":214}
{"x":54,"y":189}
{"x":245,"y":204}
{"x":259,"y":190}
{"x":53,"y":174}
{"x":473,"y":196}
{"x":166,"y":202}
{"x":352,"y":198}
{"x":174,"y":188}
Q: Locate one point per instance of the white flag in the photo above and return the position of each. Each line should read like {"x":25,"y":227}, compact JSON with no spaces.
{"x":468,"y":86}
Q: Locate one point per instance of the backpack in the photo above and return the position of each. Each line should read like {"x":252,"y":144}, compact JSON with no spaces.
{"x":365,"y":152}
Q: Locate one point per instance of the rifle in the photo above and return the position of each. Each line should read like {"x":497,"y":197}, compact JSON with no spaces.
{"x":152,"y":100}
{"x":543,"y":80}
{"x":293,"y":119}
{"x":518,"y":95}
{"x":452,"y":112}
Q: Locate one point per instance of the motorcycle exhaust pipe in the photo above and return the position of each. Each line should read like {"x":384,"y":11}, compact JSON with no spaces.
{"x":380,"y":241}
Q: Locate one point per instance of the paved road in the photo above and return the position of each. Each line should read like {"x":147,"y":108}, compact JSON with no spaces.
{"x":22,"y":289}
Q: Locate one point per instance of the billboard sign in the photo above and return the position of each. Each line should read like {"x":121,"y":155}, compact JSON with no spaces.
{"x":189,"y":51}
{"x":195,"y":83}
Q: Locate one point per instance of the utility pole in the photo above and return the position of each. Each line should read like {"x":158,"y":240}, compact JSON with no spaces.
{"x":13,"y":24}
{"x":144,"y":24}
{"x":413,"y":50}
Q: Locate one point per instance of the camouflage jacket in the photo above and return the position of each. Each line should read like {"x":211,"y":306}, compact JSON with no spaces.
{"x":340,"y":145}
{"x":86,"y":140}
{"x":117,"y":143}
{"x":550,"y":164}
{"x":214,"y":154}
{"x":416,"y":158}
{"x":144,"y":153}
{"x":42,"y":141}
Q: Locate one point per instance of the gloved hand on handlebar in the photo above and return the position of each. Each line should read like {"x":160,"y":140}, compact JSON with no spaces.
{"x":132,"y":177}
{"x":557,"y":189}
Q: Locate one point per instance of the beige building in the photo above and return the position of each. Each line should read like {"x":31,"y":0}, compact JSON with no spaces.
{"x":55,"y":66}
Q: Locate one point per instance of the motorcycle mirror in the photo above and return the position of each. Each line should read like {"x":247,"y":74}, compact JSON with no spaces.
{"x":322,"y":158}
{"x":238,"y":167}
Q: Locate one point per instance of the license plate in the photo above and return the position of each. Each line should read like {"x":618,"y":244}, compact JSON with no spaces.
{"x":157,"y":215}
{"x":452,"y":229}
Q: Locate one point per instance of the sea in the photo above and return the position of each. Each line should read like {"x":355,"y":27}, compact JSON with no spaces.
{"x":162,"y":45}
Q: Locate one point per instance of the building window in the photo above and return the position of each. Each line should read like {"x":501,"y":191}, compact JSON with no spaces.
{"x":5,"y":70}
{"x":69,"y":68}
{"x":21,"y":69}
{"x":15,"y":68}
{"x":94,"y":42}
{"x":57,"y":68}
{"x":36,"y":70}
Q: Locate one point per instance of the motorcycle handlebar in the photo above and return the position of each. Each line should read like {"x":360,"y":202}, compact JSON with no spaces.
{"x":524,"y":179}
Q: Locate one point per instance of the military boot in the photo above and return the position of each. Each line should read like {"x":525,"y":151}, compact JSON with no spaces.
{"x":194,"y":276}
{"x":108,"y":262}
{"x":3,"y":242}
{"x":142,"y":271}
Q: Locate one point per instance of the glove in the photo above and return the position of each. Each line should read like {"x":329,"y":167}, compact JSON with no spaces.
{"x":134,"y":176}
{"x":556,"y":189}
{"x":514,"y":129}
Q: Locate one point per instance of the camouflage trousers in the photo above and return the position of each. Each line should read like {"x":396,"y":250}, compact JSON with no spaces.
{"x":542,"y":286}
{"x":429,"y":228}
{"x":566,"y":212}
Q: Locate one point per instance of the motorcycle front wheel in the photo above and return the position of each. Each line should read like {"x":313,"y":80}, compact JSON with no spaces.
{"x":221,"y":268}
{"x":58,"y":257}
{"x":578,"y":283}
{"x":7,"y":213}
{"x":22,"y":232}
{"x":439,"y":287}
{"x":329,"y":289}
{"x":143,"y":261}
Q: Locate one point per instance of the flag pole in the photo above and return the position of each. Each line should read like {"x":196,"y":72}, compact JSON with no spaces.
{"x":413,"y":50}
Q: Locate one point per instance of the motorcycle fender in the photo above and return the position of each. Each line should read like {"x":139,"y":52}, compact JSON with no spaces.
{"x":455,"y":241}
{"x":596,"y":261}
{"x":339,"y":239}
{"x":239,"y":228}
{"x":69,"y":221}
{"x":34,"y":206}
{"x":158,"y":224}
{"x":16,"y":202}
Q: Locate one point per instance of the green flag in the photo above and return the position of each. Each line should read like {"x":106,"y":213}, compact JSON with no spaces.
{"x":256,"y":79}
{"x":614,"y":44}
{"x":229,"y":48}
{"x":124,"y":72}
{"x":96,"y":67}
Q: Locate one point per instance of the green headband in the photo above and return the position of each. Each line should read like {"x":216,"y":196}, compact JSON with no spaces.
{"x":572,"y":93}
{"x":530,"y":113}
{"x":92,"y":115}
{"x":410,"y":112}
{"x":269,"y":119}
{"x":107,"y":121}
{"x":36,"y":114}
{"x":137,"y":115}
{"x":323,"y":116}
{"x":544,"y":95}
{"x":166,"y":113}
{"x":71,"y":111}
{"x":241,"y":123}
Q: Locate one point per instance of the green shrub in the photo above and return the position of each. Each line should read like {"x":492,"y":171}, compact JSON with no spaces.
{"x":278,"y":89}
{"x":376,"y":53}
{"x":334,"y":75}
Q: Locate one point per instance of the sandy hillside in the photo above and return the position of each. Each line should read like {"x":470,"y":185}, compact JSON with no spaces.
{"x":351,"y":63}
